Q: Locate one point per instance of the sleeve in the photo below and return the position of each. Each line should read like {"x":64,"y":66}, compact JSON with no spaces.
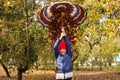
{"x":55,"y":49}
{"x":69,"y":52}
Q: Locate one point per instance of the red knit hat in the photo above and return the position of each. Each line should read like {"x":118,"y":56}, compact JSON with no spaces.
{"x":62,"y":45}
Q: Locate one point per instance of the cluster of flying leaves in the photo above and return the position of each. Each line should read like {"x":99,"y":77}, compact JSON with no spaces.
{"x":60,"y":19}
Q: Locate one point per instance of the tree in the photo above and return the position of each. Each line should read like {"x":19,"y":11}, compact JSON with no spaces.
{"x":103,"y":28}
{"x":21,"y":35}
{"x":82,"y":51}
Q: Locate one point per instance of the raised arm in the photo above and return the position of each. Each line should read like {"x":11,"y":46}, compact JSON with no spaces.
{"x":69,"y":52}
{"x":55,"y":49}
{"x":57,"y":44}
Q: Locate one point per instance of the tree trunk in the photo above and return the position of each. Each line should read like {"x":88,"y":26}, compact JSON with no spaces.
{"x":100,"y":68}
{"x":21,"y":70}
{"x":105,"y":65}
{"x":81,"y":62}
{"x":92,"y":65}
{"x":75,"y":56}
{"x":20,"y":74}
{"x":6,"y":70}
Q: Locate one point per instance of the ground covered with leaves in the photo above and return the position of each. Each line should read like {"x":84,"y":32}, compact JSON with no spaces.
{"x":78,"y":75}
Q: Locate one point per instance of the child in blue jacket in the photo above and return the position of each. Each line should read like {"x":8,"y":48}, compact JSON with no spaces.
{"x":63,"y":55}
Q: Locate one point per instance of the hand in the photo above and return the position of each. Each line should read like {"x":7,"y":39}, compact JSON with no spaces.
{"x":63,"y":33}
{"x":62,"y":29}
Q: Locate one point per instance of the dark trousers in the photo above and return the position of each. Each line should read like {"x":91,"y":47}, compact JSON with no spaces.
{"x":65,"y":79}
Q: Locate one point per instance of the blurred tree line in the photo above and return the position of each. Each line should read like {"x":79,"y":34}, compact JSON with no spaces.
{"x":24,"y":43}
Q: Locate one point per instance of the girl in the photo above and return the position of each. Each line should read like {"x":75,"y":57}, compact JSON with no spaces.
{"x":63,"y":55}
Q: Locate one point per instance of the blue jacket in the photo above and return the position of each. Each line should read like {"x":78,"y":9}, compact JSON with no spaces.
{"x":63,"y":62}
